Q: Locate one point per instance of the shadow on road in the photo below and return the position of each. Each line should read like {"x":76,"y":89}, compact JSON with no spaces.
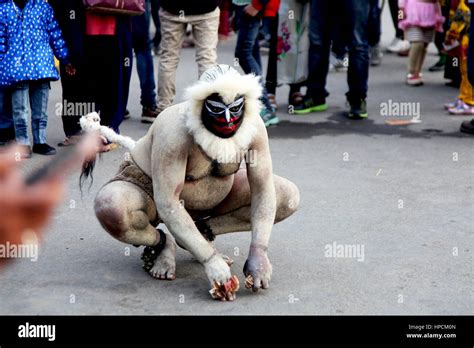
{"x":337,"y":124}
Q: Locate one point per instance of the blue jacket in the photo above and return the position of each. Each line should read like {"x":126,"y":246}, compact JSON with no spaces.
{"x":28,"y":40}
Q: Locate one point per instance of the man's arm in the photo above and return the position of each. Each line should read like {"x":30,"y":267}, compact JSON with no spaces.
{"x":263,"y":209}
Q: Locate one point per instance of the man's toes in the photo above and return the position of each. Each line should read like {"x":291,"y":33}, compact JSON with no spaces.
{"x":265,"y":284}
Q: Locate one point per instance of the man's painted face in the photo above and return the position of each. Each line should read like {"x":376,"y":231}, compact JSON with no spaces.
{"x":221,"y":119}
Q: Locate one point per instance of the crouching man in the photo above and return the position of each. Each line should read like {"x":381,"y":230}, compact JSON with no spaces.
{"x":186,"y":173}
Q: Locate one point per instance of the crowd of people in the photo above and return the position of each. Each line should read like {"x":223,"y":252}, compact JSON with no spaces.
{"x":305,"y":39}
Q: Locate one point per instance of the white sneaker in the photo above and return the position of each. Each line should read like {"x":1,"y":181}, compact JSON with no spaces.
{"x":454,"y":104}
{"x":398,"y":46}
{"x":414,"y":80}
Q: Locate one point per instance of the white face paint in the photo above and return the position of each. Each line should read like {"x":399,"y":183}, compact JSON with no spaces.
{"x":216,"y":108}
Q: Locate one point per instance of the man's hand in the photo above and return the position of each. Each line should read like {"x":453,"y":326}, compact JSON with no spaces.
{"x":217,"y":270}
{"x":259,"y":267}
{"x":250,"y":10}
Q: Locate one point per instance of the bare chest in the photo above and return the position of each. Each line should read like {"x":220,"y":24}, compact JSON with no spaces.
{"x":200,"y":165}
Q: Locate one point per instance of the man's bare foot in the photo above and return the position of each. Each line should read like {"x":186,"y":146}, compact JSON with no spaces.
{"x":164,"y":266}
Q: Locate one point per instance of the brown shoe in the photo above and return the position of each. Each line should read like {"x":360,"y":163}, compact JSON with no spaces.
{"x":149,"y":115}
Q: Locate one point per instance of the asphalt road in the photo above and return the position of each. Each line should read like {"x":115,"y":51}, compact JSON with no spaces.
{"x":401,"y":194}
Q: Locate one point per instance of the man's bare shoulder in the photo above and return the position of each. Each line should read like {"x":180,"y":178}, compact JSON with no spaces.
{"x":169,"y":129}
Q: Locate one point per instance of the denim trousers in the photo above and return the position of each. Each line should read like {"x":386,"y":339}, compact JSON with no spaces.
{"x":247,"y":50}
{"x":26,"y":96}
{"x":353,"y":15}
{"x":141,"y":46}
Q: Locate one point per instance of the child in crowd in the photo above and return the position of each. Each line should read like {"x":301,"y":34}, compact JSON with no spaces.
{"x":31,"y":35}
{"x":421,"y":19}
{"x":458,"y":37}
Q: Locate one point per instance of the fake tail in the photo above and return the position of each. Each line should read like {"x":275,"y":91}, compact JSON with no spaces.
{"x":91,"y":123}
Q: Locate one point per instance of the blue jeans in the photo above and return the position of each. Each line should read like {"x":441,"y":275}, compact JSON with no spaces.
{"x":247,"y":50}
{"x":34,"y":95}
{"x":375,"y":29}
{"x":141,"y":46}
{"x":353,"y":15}
{"x":6,"y":119}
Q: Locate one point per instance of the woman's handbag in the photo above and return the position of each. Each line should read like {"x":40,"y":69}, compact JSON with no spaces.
{"x":127,"y":7}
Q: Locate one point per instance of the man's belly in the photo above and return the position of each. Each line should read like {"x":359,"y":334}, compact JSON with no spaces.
{"x":206,"y":193}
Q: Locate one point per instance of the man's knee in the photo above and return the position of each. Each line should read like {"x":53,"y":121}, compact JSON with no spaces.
{"x":289,"y":200}
{"x":111,"y":214}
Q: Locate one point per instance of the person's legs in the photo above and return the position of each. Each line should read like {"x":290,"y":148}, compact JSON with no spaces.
{"x":20,"y":112}
{"x":205,"y":33}
{"x":7,"y":130}
{"x":133,"y":221}
{"x":394,"y":13}
{"x":422,"y":57}
{"x":415,"y":56}
{"x":39,"y":93}
{"x":234,"y":213}
{"x":357,"y":17}
{"x":319,"y":36}
{"x":466,"y":92}
{"x":141,"y":46}
{"x":374,"y":25}
{"x":245,"y":52}
{"x":74,"y":94}
{"x":172,"y":36}
{"x":155,"y":8}
{"x":271,"y":78}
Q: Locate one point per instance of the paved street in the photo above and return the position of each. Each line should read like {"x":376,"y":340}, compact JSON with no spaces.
{"x":402,"y":193}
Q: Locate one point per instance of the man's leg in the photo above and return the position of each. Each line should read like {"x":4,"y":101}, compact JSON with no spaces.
{"x":205,"y":33}
{"x":356,"y":17}
{"x":234,"y":213}
{"x":393,"y":4}
{"x":74,"y":94}
{"x":128,"y":214}
{"x":172,"y":36}
{"x":141,"y":46}
{"x":155,"y":9}
{"x":318,"y":62}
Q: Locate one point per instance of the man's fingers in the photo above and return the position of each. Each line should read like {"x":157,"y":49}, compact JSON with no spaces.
{"x":257,"y":284}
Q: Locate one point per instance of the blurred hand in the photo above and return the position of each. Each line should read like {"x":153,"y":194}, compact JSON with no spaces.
{"x":250,"y":10}
{"x":25,"y":209}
